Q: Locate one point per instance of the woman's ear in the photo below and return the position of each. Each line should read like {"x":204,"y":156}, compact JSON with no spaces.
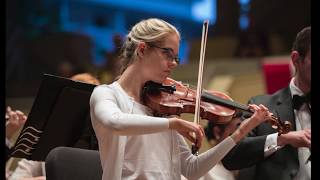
{"x":141,"y":48}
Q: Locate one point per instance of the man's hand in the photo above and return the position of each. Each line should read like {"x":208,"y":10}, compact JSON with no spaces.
{"x":296,"y":139}
{"x":14,"y":121}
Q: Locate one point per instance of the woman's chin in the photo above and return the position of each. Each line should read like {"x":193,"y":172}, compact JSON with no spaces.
{"x":160,"y":79}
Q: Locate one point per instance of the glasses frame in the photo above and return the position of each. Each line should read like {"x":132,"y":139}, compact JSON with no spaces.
{"x":169,"y":52}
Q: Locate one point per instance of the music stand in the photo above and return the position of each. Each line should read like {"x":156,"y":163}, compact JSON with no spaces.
{"x":58,"y":116}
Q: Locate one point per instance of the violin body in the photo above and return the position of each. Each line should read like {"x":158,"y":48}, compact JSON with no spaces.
{"x":182,"y":100}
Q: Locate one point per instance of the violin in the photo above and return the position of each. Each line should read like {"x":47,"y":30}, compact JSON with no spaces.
{"x":174,"y":98}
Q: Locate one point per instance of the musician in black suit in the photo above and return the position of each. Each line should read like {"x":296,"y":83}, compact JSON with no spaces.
{"x":268,"y":154}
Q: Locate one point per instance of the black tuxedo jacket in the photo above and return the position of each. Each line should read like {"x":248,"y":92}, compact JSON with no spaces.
{"x":281,"y":165}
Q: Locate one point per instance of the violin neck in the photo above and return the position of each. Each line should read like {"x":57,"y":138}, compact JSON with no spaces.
{"x":223,"y":102}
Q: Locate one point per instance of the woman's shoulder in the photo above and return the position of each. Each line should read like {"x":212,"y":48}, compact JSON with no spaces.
{"x":103,"y":88}
{"x":102,"y":91}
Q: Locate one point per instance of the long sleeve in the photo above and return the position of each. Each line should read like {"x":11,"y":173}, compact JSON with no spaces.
{"x":271,"y":145}
{"x":193,"y":167}
{"x":249,"y":150}
{"x":27,"y":169}
{"x":105,"y":108}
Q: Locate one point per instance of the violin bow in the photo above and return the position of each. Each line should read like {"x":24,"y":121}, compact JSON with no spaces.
{"x":200,"y":75}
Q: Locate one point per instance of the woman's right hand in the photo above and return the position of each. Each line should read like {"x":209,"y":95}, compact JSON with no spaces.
{"x":186,"y":129}
{"x":261,"y":114}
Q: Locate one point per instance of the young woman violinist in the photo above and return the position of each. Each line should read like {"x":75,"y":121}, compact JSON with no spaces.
{"x":133,"y":143}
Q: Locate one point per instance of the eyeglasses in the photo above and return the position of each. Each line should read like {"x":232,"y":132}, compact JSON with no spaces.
{"x":168,"y":52}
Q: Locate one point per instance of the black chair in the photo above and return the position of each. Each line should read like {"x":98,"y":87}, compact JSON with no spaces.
{"x":66,"y":163}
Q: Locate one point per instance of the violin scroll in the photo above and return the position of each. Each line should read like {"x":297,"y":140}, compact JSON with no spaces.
{"x":281,"y":127}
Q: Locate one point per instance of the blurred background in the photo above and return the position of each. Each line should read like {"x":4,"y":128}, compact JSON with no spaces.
{"x":247,"y":52}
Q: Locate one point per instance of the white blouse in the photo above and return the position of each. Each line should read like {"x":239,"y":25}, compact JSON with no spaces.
{"x":135,"y":145}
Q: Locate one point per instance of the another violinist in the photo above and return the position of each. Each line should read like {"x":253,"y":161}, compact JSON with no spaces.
{"x":133,"y":144}
{"x":285,"y":156}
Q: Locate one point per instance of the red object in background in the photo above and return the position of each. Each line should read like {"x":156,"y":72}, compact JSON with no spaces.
{"x":277,"y":74}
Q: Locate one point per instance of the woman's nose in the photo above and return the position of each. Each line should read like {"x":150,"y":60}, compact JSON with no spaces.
{"x":172,"y":64}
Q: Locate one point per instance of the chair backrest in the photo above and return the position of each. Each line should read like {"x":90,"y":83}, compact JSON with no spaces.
{"x":65,"y":163}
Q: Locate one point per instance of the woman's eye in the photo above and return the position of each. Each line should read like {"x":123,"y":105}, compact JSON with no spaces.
{"x":168,"y":54}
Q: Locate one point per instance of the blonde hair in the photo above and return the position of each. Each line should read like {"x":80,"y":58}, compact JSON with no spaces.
{"x":85,"y":77}
{"x":149,"y":30}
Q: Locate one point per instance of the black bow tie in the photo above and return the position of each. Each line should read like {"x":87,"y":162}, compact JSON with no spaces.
{"x":298,"y":101}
